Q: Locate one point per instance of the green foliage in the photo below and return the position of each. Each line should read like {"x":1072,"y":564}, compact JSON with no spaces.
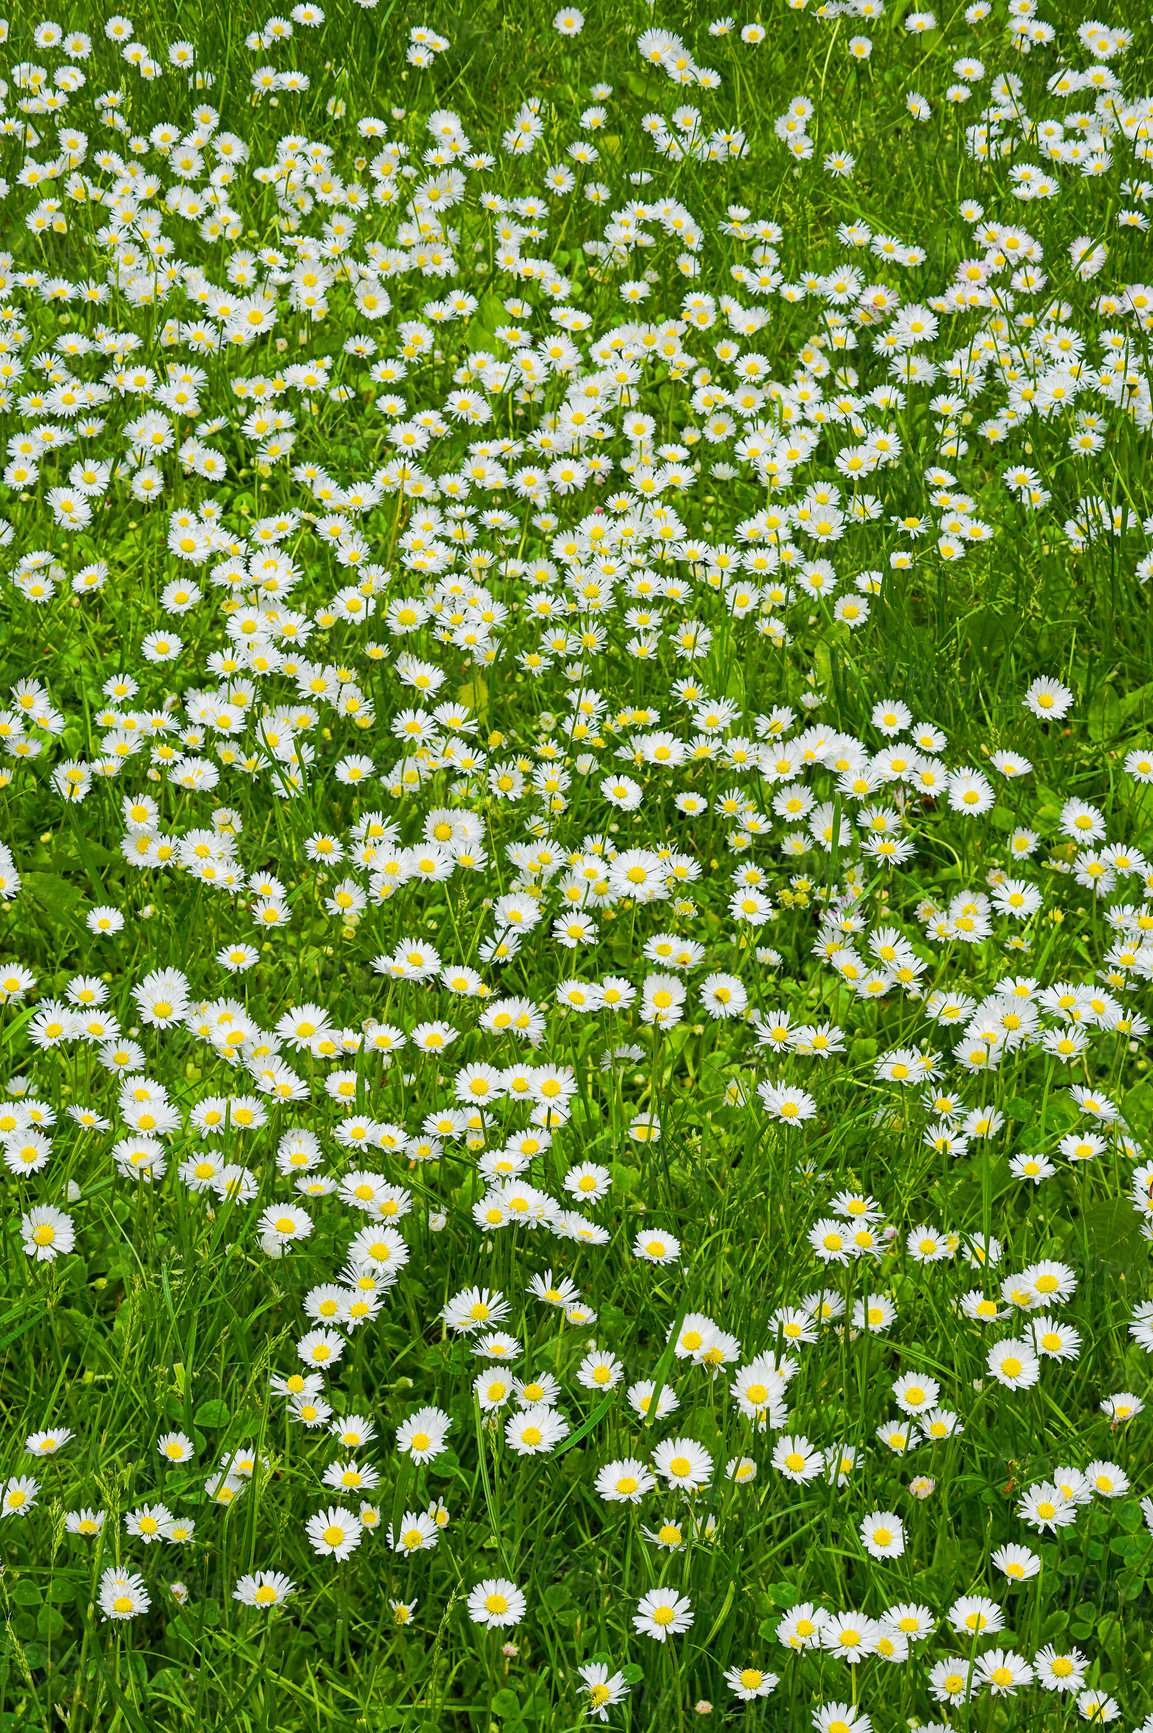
{"x":184,"y":1310}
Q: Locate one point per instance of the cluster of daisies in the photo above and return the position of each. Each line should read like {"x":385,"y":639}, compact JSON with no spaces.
{"x":451,"y":735}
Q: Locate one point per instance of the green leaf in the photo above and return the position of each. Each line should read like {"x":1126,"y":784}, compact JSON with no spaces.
{"x":486,"y":1483}
{"x":660,"y":1375}
{"x":49,"y":1622}
{"x":1113,"y":1231}
{"x":626,"y":1179}
{"x":1104,"y":715}
{"x":1127,"y":1516}
{"x":55,"y":895}
{"x":214,"y":1413}
{"x":1137,"y":700}
{"x":474,"y":693}
{"x":583,"y":1430}
{"x":724,"y":1612}
{"x":167,"y":1679}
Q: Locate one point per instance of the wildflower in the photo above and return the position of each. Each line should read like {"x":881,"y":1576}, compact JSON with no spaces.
{"x":683,"y":1462}
{"x":1004,"y":1671}
{"x":1058,"y":1670}
{"x":624,"y":1481}
{"x":122,"y":1594}
{"x":840,"y":1718}
{"x":1045,"y":1508}
{"x":1048,"y":699}
{"x":47,"y":1443}
{"x":47,"y":1234}
{"x":148,"y":1523}
{"x":796,"y":1459}
{"x":418,"y":1532}
{"x":850,"y":1636}
{"x":496,"y":1603}
{"x":801,"y":1628}
{"x":882,"y":1535}
{"x":603,"y":1688}
{"x":19,"y":1495}
{"x":656,"y":1247}
{"x":1014,"y":1364}
{"x":85,"y":1523}
{"x":750,"y":1682}
{"x":662,"y":1613}
{"x":334,"y":1533}
{"x":535,"y":1430}
{"x":422,"y":1435}
{"x":264,"y":1589}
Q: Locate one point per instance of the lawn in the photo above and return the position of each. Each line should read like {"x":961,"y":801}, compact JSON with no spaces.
{"x":576,"y":868}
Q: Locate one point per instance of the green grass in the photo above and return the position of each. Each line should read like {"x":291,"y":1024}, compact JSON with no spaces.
{"x":170,"y":1315}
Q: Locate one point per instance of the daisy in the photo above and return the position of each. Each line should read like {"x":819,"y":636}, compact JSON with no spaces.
{"x":1060,"y":1670}
{"x":684,"y":1463}
{"x":1047,"y":699}
{"x":750,"y":1682}
{"x":796,"y":1458}
{"x":122,"y":1594}
{"x":1014,"y":1364}
{"x":265,"y":1589}
{"x":535,"y":1430}
{"x":602,"y":1688}
{"x":662,"y":1613}
{"x":1004,"y":1671}
{"x":882,"y":1535}
{"x":422,"y":1435}
{"x":654,"y":1246}
{"x":625,"y":1481}
{"x":496,"y":1603}
{"x":47,"y":1234}
{"x":334,"y":1533}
